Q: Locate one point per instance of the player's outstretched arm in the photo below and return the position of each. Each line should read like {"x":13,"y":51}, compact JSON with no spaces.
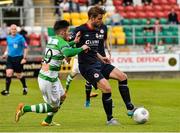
{"x":76,"y":40}
{"x":108,"y":48}
{"x":69,"y":52}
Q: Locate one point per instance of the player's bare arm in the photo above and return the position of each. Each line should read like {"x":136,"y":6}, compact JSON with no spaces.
{"x":103,"y":59}
{"x":24,"y":60}
{"x":5,"y":53}
{"x":108,"y":49}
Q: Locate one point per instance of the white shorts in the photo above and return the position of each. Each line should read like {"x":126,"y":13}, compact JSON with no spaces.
{"x":75,"y":68}
{"x":51,"y":91}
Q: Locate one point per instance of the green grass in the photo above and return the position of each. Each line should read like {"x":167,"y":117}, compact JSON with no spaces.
{"x":161,"y":97}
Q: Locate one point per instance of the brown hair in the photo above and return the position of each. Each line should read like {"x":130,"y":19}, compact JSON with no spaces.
{"x":95,"y":11}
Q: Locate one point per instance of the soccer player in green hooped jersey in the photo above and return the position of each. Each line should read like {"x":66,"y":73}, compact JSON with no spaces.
{"x":53,"y":93}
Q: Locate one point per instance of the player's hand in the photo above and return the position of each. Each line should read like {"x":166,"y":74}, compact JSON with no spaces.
{"x":23,"y":61}
{"x":77,"y":38}
{"x":85,"y":48}
{"x":68,"y":59}
{"x":106,"y":60}
{"x":110,"y":56}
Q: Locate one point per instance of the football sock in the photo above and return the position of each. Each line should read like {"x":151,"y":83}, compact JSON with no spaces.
{"x":49,"y":117}
{"x":124,"y":91}
{"x":107,"y":104}
{"x":68,"y":81}
{"x":8,"y":82}
{"x":39,"y":108}
{"x":88,"y":87}
{"x":23,"y":81}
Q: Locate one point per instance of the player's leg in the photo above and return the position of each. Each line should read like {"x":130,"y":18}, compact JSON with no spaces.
{"x":123,"y":88}
{"x":51,"y":94}
{"x":105,"y":87}
{"x":88,"y":87}
{"x":38,"y":108}
{"x":89,"y":94}
{"x":69,"y":79}
{"x":57,"y":97}
{"x":23,"y":82}
{"x":9,"y":73}
{"x":48,"y":120}
{"x":74,"y":72}
{"x":95,"y":77}
{"x":18,"y":68}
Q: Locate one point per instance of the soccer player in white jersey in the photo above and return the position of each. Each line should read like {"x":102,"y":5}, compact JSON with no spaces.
{"x":53,"y":93}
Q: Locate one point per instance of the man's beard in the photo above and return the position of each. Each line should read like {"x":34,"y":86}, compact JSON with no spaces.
{"x":95,"y":25}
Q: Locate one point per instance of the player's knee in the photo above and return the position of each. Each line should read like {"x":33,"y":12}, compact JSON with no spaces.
{"x":55,"y":109}
{"x":9,"y":74}
{"x":106,"y":89}
{"x":104,"y":85}
{"x":88,"y":86}
{"x":123,"y":82}
{"x":63,"y":97}
{"x":19,"y":76}
{"x":124,"y":77}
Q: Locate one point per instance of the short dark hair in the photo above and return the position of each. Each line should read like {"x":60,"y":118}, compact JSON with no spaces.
{"x":61,"y":24}
{"x":95,"y":11}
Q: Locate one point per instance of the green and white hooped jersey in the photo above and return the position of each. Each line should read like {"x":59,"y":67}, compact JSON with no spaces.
{"x":53,"y":58}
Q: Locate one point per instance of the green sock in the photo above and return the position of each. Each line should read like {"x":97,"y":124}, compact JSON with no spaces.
{"x":49,"y":117}
{"x":68,"y":81}
{"x":39,"y":108}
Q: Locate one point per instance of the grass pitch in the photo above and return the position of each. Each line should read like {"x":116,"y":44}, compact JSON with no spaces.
{"x":161,"y":97}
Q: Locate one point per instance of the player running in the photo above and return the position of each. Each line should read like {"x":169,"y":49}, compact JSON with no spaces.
{"x":53,"y":93}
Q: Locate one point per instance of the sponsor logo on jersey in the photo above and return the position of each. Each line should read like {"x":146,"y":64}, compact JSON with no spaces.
{"x":99,"y":36}
{"x":101,"y":31}
{"x":92,"y":42}
{"x":96,"y":75}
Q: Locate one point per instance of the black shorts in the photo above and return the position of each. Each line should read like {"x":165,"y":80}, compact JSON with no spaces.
{"x":15,"y":63}
{"x":95,"y":72}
